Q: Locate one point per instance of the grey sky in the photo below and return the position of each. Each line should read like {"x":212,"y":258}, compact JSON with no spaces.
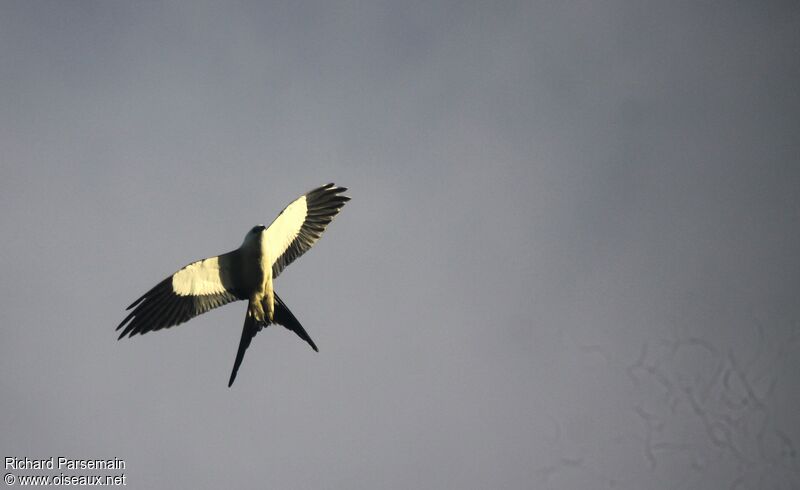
{"x":570,"y":260}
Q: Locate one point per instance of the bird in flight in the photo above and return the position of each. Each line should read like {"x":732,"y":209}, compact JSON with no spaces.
{"x":246,"y":273}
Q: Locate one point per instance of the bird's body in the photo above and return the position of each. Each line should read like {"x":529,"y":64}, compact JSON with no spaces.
{"x":246,"y":273}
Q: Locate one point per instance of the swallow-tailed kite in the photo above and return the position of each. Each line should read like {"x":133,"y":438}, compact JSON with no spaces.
{"x":246,"y":273}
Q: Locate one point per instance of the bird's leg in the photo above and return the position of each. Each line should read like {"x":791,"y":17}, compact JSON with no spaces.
{"x":255,"y":309}
{"x":262,"y":303}
{"x":269,"y":297}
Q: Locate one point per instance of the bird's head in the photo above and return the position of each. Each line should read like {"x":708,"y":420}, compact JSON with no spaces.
{"x":252,"y":237}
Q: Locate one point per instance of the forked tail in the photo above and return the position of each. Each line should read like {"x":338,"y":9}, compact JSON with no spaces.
{"x":283,"y":316}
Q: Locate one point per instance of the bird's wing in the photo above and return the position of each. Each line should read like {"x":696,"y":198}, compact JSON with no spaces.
{"x":298,"y":227}
{"x":251,"y":327}
{"x":193,"y":290}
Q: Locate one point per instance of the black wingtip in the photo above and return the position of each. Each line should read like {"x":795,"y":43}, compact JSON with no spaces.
{"x":125,"y":332}
{"x":135,"y":303}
